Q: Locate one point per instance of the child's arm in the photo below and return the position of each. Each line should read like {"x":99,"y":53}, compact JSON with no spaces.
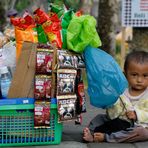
{"x":141,"y":110}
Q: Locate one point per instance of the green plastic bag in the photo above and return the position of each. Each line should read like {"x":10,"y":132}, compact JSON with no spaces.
{"x":81,"y":32}
{"x":65,"y":22}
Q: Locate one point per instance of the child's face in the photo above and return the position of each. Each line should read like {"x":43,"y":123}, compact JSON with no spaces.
{"x":137,"y":75}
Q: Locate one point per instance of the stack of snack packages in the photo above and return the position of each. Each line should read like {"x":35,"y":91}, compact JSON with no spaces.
{"x":70,"y":88}
{"x":42,"y":88}
{"x":68,"y":85}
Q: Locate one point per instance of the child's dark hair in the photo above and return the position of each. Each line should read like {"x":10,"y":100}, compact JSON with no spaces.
{"x":137,"y":56}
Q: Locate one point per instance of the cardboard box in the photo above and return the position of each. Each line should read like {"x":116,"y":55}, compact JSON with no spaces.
{"x":22,"y":85}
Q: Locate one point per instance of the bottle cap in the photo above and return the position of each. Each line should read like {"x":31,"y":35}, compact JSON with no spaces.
{"x":4,"y":70}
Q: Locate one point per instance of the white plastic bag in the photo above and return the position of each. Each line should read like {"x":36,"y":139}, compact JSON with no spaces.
{"x":8,"y":56}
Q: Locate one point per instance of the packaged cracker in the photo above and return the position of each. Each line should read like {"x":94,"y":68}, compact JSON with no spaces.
{"x":42,"y":114}
{"x":44,"y":58}
{"x":65,"y":59}
{"x":42,"y":87}
{"x":66,"y":81}
{"x":66,"y":107}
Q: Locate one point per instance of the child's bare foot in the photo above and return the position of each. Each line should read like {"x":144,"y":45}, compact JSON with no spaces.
{"x":99,"y":137}
{"x":87,"y":136}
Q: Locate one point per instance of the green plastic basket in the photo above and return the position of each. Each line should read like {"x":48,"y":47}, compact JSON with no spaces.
{"x":17,"y":126}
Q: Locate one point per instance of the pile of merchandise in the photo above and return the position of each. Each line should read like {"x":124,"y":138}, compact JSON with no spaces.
{"x":58,"y":68}
{"x":59,"y":37}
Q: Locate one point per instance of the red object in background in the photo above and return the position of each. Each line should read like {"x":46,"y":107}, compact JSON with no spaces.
{"x":23,"y":22}
{"x":79,"y":13}
{"x":40,"y":16}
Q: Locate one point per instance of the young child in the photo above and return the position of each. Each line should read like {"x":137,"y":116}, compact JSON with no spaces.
{"x":131,"y":107}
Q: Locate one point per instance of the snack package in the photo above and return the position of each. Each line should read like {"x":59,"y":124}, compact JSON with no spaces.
{"x":22,"y":35}
{"x":65,"y":59}
{"x":23,"y":22}
{"x":68,"y":59}
{"x":81,"y":100}
{"x":42,"y":37}
{"x":66,"y":107}
{"x":66,"y":81}
{"x":42,"y":114}
{"x":51,"y":25}
{"x":40,"y":16}
{"x":42,"y":89}
{"x":81,"y":97}
{"x":44,"y":58}
{"x":24,"y":31}
{"x":52,"y":28}
{"x":79,"y":61}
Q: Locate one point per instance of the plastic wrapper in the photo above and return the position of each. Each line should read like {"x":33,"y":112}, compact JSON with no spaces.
{"x":40,"y":16}
{"x":8,"y":56}
{"x":67,"y":108}
{"x":42,"y":37}
{"x":81,"y":32}
{"x":106,"y":81}
{"x":23,"y":22}
{"x":65,"y":59}
{"x":24,"y":31}
{"x":81,"y":100}
{"x":65,"y":22}
{"x":42,"y":114}
{"x":68,"y":59}
{"x":42,"y":90}
{"x":28,"y":34}
{"x":51,"y":25}
{"x":52,"y":28}
{"x":66,"y":81}
{"x":58,"y":9}
{"x":44,"y":58}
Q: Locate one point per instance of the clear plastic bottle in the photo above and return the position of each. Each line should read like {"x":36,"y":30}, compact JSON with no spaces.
{"x":5,"y":81}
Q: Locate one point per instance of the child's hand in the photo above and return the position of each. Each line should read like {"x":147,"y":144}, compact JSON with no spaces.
{"x":131,"y":115}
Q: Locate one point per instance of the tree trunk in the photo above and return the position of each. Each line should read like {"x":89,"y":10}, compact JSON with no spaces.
{"x":107,"y":23}
{"x":140,"y":39}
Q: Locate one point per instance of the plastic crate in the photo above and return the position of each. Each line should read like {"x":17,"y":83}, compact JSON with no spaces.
{"x":17,"y":126}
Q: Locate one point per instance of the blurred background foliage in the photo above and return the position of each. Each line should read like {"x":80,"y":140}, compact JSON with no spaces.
{"x":21,"y":5}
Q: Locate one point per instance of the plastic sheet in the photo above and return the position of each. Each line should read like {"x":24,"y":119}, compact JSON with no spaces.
{"x":106,"y":81}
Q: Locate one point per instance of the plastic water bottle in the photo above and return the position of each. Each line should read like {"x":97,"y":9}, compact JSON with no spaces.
{"x":5,"y":81}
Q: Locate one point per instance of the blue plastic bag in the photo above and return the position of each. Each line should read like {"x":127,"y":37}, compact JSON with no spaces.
{"x":106,"y":81}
